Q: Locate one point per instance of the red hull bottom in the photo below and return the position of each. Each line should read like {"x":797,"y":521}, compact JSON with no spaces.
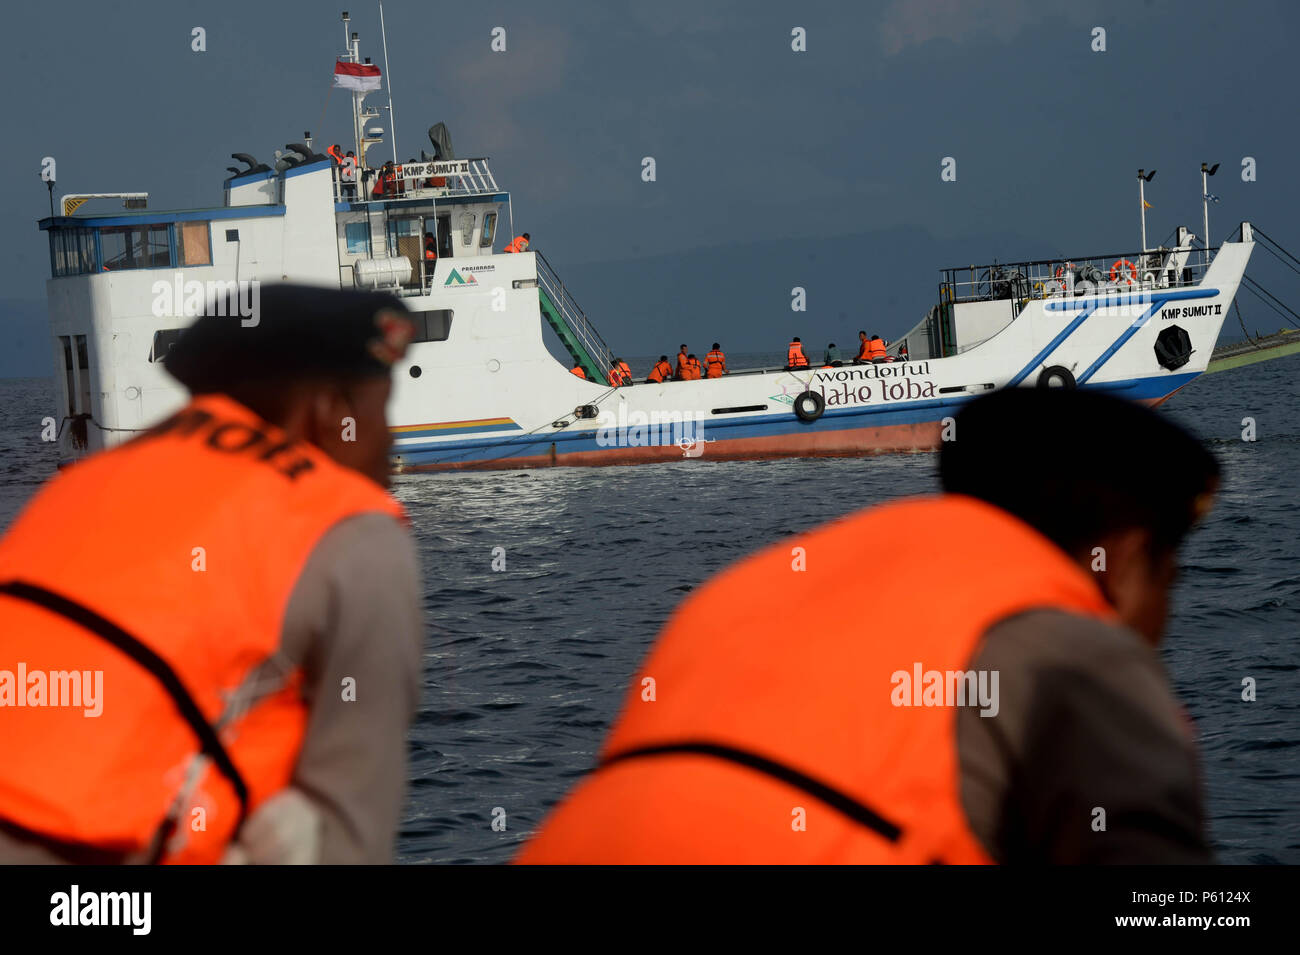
{"x":856,"y":442}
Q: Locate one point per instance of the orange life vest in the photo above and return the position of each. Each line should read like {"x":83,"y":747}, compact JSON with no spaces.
{"x":875,"y":348}
{"x":679,"y":370}
{"x":769,"y":742}
{"x":796,"y":358}
{"x":717,"y":363}
{"x":336,"y":154}
{"x":520,"y":244}
{"x":626,"y":369}
{"x":430,"y":253}
{"x":660,"y":371}
{"x":103,"y":572}
{"x":864,"y":353}
{"x":615,"y":376}
{"x":577,"y":370}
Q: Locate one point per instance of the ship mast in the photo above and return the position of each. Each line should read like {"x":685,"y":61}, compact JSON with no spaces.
{"x":360,"y":115}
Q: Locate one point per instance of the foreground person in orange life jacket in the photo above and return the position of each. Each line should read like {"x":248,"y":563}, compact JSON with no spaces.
{"x":766,"y":741}
{"x":239,"y":597}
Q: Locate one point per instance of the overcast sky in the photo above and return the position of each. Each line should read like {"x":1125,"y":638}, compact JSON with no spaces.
{"x":751,"y":140}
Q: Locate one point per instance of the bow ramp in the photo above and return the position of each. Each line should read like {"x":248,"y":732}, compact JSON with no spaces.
{"x":570,"y":323}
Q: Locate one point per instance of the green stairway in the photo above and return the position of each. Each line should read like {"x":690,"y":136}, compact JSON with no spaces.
{"x":572,"y":344}
{"x":576,"y":333}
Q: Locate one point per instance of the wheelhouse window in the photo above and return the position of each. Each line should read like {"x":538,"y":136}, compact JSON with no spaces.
{"x":489,"y":230}
{"x":135,"y":247}
{"x":72,"y":251}
{"x":193,"y":243}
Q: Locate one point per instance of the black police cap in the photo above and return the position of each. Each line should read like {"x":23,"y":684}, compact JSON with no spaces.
{"x":290,"y":332}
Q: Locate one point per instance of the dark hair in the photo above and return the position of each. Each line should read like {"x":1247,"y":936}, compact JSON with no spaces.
{"x":861,"y":333}
{"x":716,"y":345}
{"x":527,"y":236}
{"x":1077,"y":465}
{"x":831,"y":345}
{"x":874,"y":335}
{"x":663,"y":357}
{"x":796,"y":338}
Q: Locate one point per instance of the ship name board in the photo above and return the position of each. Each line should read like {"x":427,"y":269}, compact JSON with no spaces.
{"x":1191,"y":311}
{"x":427,"y":170}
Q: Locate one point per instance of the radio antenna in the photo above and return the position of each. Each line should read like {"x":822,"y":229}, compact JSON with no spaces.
{"x":388,"y":79}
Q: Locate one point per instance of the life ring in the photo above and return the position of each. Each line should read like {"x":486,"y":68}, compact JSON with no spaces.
{"x":1045,"y":380}
{"x":809,"y":405}
{"x":1118,"y":268}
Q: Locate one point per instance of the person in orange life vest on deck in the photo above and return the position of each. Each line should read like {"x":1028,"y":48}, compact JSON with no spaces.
{"x":620,"y":373}
{"x":430,"y":252}
{"x":876,"y":350}
{"x":692,"y":371}
{"x":682,"y":359}
{"x":716,"y":362}
{"x":864,"y":349}
{"x":348,"y":175}
{"x":577,"y":370}
{"x":854,"y":747}
{"x":519,"y":244}
{"x":795,"y":358}
{"x":336,"y":154}
{"x":661,"y":372}
{"x":277,"y":572}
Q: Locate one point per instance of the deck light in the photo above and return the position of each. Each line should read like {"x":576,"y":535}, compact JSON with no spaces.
{"x":1206,"y":172}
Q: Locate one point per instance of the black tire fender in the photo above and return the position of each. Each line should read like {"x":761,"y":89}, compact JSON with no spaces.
{"x":1060,"y":372}
{"x":809,"y":405}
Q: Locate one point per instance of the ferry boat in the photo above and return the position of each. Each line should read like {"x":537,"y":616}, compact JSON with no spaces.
{"x":479,"y":387}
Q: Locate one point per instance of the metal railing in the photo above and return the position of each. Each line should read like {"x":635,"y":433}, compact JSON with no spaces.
{"x":1021,"y":282}
{"x":573,"y":315}
{"x":477,"y":180}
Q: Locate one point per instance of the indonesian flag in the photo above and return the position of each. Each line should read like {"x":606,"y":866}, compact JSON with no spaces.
{"x":362,"y":77}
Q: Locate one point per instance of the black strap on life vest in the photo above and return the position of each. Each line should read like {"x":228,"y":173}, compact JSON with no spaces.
{"x":845,"y":803}
{"x":161,"y":670}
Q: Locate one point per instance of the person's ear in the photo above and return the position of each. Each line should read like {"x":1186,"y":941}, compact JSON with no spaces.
{"x":1124,"y":568}
{"x":325,"y":420}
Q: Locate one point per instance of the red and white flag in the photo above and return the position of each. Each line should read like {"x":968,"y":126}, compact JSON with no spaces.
{"x":362,"y":77}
